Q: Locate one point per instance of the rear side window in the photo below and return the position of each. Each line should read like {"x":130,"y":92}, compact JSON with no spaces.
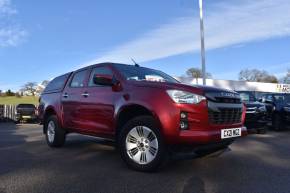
{"x":78,"y":79}
{"x":99,"y":70}
{"x":57,"y":83}
{"x":26,"y":106}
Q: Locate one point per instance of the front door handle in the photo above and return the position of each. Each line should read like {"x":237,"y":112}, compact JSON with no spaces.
{"x":85,"y":95}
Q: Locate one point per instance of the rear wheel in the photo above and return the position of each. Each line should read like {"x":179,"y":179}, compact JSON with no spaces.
{"x":141,"y":145}
{"x":55,"y":135}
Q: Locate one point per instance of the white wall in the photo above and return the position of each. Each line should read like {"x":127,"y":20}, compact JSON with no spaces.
{"x":241,"y":85}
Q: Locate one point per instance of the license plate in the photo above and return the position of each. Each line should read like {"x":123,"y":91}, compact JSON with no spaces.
{"x":229,"y":133}
{"x":26,"y":117}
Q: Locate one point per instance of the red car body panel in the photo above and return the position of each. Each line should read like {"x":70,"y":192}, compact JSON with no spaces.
{"x":98,"y":113}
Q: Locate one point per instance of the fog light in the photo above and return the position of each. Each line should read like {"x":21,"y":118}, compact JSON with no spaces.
{"x":183,"y":125}
{"x":183,"y":121}
{"x":183,"y":115}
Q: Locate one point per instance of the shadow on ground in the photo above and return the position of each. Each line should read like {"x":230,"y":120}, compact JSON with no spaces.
{"x":258,"y":163}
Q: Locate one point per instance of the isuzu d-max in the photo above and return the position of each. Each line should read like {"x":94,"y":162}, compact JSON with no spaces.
{"x":146,"y":112}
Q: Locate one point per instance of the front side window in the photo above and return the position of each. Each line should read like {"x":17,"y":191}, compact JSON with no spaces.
{"x":247,"y":97}
{"x":282,"y":98}
{"x":100,"y":71}
{"x":78,"y":79}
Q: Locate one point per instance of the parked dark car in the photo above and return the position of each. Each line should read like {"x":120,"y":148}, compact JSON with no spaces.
{"x":1,"y":112}
{"x":278,"y":108}
{"x":256,"y":114}
{"x":26,"y":112}
{"x":145,"y":111}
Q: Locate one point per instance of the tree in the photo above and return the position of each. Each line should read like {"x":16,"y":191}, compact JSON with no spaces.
{"x":255,"y":75}
{"x":9,"y":93}
{"x":196,"y":73}
{"x":41,"y":87}
{"x":30,"y":87}
{"x":45,"y":83}
{"x":286,"y":78}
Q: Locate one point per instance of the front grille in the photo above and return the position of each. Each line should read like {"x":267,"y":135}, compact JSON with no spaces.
{"x":225,"y":116}
{"x":227,"y":100}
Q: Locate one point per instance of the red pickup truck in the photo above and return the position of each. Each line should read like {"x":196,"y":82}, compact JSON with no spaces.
{"x":146,"y":112}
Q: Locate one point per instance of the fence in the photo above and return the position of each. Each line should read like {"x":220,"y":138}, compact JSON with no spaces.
{"x":7,"y":112}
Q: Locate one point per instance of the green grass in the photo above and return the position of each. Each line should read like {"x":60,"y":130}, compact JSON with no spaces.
{"x":17,"y":100}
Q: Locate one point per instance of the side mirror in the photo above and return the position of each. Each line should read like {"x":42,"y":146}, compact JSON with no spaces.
{"x":102,"y":79}
{"x":260,"y":100}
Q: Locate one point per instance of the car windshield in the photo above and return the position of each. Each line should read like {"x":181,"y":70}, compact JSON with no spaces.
{"x":283,"y":98}
{"x":144,"y":74}
{"x":247,"y":96}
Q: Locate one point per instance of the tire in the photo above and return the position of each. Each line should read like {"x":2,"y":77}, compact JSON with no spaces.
{"x":277,"y":123}
{"x":141,"y":144}
{"x":54,"y":134}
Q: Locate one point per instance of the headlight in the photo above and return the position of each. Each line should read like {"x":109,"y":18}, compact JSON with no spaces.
{"x":184,"y":97}
{"x":287,"y":109}
{"x":262,"y":108}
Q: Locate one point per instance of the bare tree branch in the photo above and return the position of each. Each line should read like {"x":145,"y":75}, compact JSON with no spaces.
{"x":254,"y":75}
{"x":30,"y":87}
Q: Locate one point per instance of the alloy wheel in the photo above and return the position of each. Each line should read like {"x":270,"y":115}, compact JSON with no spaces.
{"x":51,"y":131}
{"x":142,"y":145}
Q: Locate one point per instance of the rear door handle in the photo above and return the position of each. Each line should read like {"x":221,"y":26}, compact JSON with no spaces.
{"x":85,"y":94}
{"x":65,"y":95}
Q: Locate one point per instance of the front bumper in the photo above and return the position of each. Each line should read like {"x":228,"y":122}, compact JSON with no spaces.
{"x":256,"y":120}
{"x":26,"y":117}
{"x":204,"y":136}
{"x":200,"y":129}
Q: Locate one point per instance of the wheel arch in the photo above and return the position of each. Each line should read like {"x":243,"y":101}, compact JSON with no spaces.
{"x":48,"y":112}
{"x":131,"y":111}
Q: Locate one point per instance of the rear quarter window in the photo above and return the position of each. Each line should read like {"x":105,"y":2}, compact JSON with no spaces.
{"x":57,"y":84}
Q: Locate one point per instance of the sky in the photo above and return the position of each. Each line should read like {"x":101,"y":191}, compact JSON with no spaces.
{"x":43,"y":39}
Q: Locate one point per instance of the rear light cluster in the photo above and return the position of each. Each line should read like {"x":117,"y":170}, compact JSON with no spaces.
{"x":183,"y":121}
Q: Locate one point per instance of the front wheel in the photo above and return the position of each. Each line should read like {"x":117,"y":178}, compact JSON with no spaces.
{"x":141,"y":144}
{"x":55,"y":135}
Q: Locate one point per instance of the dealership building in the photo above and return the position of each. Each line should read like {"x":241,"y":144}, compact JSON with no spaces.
{"x":258,"y":88}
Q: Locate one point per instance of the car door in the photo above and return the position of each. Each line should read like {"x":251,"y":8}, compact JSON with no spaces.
{"x":98,"y":104}
{"x":71,"y":100}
